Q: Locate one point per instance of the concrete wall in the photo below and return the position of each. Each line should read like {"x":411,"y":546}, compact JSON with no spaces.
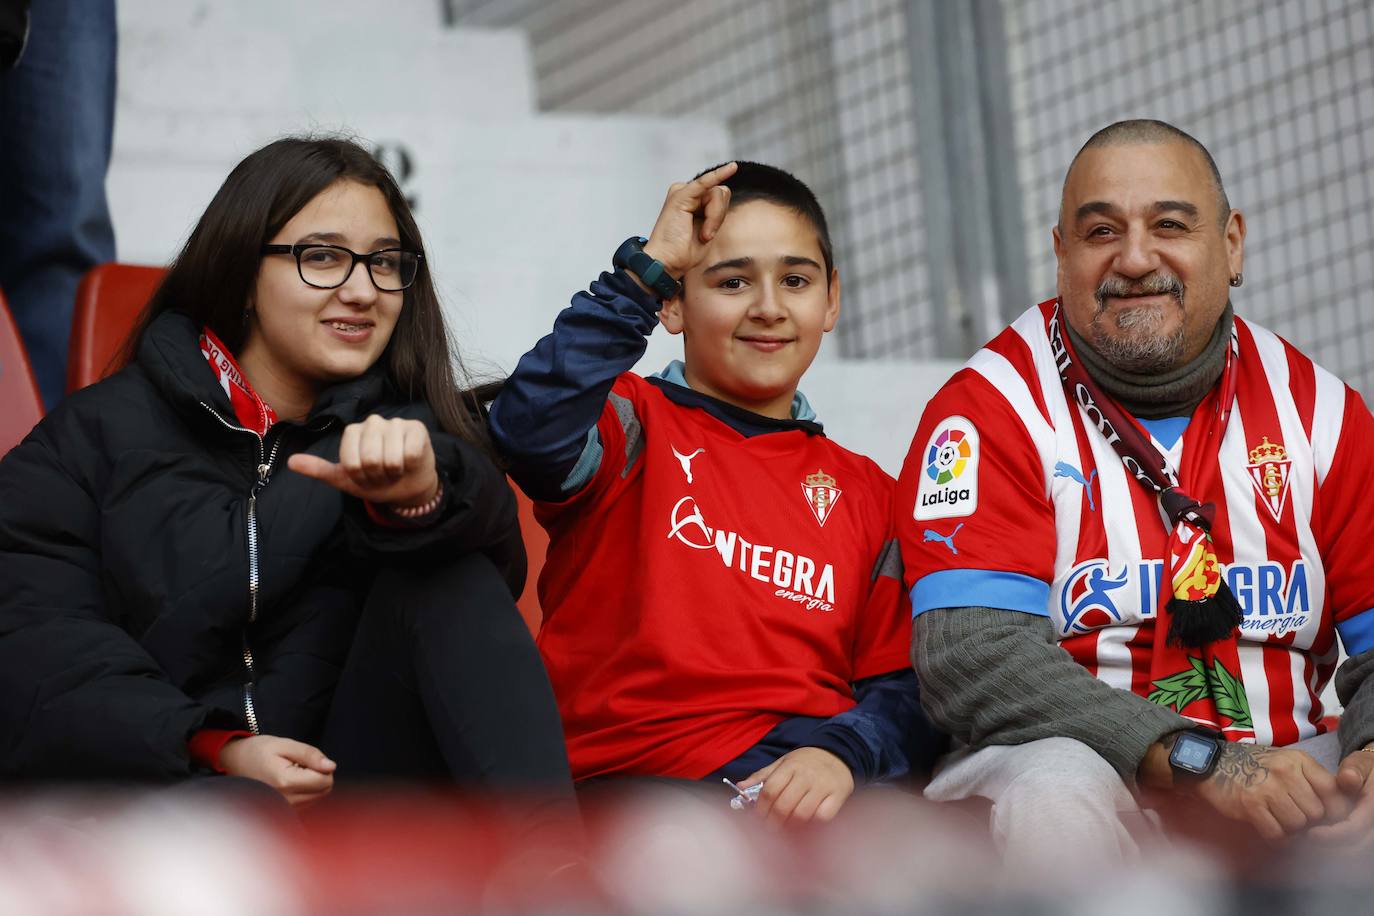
{"x":518,"y":209}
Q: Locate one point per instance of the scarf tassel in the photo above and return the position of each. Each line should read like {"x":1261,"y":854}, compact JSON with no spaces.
{"x":1194,"y":624}
{"x":1202,"y":609}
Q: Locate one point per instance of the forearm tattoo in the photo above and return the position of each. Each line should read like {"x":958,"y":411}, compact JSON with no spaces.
{"x":1242,"y":766}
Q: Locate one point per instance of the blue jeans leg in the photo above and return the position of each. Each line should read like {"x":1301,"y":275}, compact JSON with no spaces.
{"x":56,"y":129}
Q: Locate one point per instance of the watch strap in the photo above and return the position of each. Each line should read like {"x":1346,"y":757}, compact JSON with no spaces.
{"x":631,"y":256}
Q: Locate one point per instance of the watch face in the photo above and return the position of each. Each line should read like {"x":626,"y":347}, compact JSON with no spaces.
{"x":1193,"y":753}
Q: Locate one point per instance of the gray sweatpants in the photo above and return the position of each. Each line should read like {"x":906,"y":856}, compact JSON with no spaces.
{"x":1057,"y":794}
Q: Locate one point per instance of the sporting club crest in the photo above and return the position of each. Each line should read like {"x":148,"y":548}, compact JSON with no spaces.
{"x":1269,"y":470}
{"x":821,"y":494}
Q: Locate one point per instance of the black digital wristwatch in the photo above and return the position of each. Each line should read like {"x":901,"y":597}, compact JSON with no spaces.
{"x":631,"y":256}
{"x":1195,"y":753}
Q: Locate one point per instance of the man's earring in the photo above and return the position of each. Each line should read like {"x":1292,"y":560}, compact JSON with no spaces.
{"x":1238,"y":279}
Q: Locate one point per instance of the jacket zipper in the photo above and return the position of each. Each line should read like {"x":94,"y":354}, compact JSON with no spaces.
{"x":250,"y":711}
{"x":264,"y":474}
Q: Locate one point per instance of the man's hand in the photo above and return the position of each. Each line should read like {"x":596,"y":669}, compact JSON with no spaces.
{"x":801,"y":785}
{"x":1280,"y":791}
{"x":691,"y":215}
{"x":301,"y":773}
{"x":1355,"y":832}
{"x":386,"y":462}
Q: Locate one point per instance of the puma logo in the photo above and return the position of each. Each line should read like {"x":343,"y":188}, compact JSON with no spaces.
{"x":946,"y":539}
{"x":1064,"y":469}
{"x":686,"y":460}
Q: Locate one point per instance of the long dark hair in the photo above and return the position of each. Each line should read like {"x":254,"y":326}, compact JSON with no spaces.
{"x":213,"y":277}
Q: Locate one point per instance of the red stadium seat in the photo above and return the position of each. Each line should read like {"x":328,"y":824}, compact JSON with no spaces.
{"x":107,"y":305}
{"x":536,"y":548}
{"x":21,"y":405}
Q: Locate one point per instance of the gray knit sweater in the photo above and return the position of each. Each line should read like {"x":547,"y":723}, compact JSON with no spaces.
{"x":990,"y":676}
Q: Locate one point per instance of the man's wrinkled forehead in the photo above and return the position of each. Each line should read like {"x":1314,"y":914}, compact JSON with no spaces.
{"x":1151,"y":177}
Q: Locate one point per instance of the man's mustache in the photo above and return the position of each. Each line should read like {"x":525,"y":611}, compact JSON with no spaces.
{"x":1156,"y":284}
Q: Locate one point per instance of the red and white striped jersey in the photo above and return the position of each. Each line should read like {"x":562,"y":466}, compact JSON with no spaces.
{"x":1011,"y":498}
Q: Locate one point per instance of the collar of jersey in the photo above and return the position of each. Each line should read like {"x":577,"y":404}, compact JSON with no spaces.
{"x":745,"y":422}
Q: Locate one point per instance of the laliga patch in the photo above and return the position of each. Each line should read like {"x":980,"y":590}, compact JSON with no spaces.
{"x":949,"y":479}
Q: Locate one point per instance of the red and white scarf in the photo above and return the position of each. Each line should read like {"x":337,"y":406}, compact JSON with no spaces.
{"x":253,"y":412}
{"x":1201,"y":608}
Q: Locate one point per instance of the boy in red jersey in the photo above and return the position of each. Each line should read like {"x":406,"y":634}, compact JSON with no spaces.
{"x":722,"y":594}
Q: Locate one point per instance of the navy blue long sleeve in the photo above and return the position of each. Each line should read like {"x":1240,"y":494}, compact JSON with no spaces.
{"x":542,"y":417}
{"x":884,"y":737}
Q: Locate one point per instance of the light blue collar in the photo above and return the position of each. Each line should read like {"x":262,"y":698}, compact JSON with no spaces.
{"x":1168,"y":430}
{"x":675,"y":373}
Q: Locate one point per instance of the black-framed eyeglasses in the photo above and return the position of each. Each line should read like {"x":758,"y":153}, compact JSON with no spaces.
{"x":330,"y":266}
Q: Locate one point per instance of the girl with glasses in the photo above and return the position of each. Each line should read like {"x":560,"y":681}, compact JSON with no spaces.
{"x":274,"y":545}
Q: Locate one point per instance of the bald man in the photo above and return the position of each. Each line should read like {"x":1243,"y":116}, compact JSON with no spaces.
{"x":1134,"y":530}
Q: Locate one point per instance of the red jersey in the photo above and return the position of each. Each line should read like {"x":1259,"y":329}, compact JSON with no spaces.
{"x":704,"y":585}
{"x":1012,"y":498}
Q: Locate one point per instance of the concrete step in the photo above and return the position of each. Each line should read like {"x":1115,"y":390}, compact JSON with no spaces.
{"x":278,"y":14}
{"x":517,"y":214}
{"x":293,"y":65}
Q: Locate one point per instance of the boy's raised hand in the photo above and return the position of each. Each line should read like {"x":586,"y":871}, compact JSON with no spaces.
{"x":690,"y":218}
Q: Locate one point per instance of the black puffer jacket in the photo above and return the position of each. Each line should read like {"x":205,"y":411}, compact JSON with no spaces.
{"x":127,"y":536}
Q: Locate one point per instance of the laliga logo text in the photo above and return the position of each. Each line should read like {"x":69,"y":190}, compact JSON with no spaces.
{"x":949,"y":481}
{"x":795,"y":577}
